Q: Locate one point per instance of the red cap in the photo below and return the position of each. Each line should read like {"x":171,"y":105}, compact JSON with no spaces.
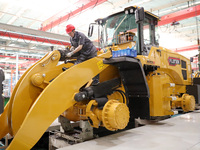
{"x":69,"y":28}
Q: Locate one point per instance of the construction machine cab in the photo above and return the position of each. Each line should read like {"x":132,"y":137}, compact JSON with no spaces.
{"x":133,"y":25}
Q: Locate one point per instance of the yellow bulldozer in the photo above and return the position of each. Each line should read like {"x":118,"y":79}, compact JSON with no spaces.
{"x":137,"y":79}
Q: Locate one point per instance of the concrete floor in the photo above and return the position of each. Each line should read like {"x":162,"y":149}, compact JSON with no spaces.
{"x":178,"y":133}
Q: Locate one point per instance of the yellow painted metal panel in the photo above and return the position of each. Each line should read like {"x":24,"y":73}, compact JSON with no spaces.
{"x":160,"y":91}
{"x":156,"y":96}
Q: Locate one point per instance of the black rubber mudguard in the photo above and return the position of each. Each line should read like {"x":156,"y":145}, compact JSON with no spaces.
{"x":135,"y":84}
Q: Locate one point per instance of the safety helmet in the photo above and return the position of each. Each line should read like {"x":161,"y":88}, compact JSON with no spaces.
{"x":69,"y":28}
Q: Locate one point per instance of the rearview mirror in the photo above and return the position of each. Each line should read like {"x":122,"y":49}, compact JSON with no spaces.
{"x":139,"y":15}
{"x":90,"y":30}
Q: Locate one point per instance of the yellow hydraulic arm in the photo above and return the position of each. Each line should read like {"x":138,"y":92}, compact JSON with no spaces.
{"x":41,"y":95}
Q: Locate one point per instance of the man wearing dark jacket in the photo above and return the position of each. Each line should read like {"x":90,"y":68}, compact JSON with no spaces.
{"x":2,"y":77}
{"x":81,"y":45}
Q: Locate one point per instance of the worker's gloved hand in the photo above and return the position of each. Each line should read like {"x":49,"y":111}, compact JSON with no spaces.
{"x":72,"y":49}
{"x":70,"y":54}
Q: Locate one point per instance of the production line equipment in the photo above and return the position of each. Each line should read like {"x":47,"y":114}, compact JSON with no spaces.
{"x":137,"y":79}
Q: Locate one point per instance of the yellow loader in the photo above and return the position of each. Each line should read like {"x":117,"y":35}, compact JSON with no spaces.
{"x":137,"y":79}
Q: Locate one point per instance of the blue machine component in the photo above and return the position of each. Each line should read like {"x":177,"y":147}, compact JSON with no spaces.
{"x":129,"y":52}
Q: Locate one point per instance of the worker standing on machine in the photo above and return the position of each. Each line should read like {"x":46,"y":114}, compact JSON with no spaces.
{"x":81,"y":45}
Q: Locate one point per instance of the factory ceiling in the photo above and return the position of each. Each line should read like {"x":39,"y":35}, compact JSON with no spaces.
{"x":32,"y":21}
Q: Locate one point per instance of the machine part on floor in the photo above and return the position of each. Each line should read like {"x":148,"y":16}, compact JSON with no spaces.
{"x":77,"y":134}
{"x":2,"y":77}
{"x":85,"y":132}
{"x":65,"y":124}
{"x":136,"y":80}
{"x":70,"y":138}
{"x":55,"y":142}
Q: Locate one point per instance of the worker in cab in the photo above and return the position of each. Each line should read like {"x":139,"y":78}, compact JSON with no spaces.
{"x":81,"y":46}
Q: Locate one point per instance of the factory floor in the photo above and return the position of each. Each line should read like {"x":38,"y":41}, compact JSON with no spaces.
{"x":178,"y":133}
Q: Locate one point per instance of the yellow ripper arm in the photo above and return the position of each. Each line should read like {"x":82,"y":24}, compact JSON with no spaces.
{"x":53,"y":99}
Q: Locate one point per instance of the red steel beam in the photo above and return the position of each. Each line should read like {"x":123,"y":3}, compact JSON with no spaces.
{"x":195,"y":69}
{"x":195,"y":60}
{"x":20,"y":65}
{"x":11,"y":65}
{"x":26,"y":63}
{"x":34,"y":59}
{"x":180,"y":15}
{"x":59,"y":14}
{"x":32,"y":38}
{"x":7,"y":65}
{"x":75,"y":12}
{"x":187,"y":48}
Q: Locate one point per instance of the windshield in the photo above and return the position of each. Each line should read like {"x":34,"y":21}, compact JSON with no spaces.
{"x":116,"y":25}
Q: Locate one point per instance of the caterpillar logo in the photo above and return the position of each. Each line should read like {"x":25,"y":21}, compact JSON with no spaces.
{"x":173,"y":61}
